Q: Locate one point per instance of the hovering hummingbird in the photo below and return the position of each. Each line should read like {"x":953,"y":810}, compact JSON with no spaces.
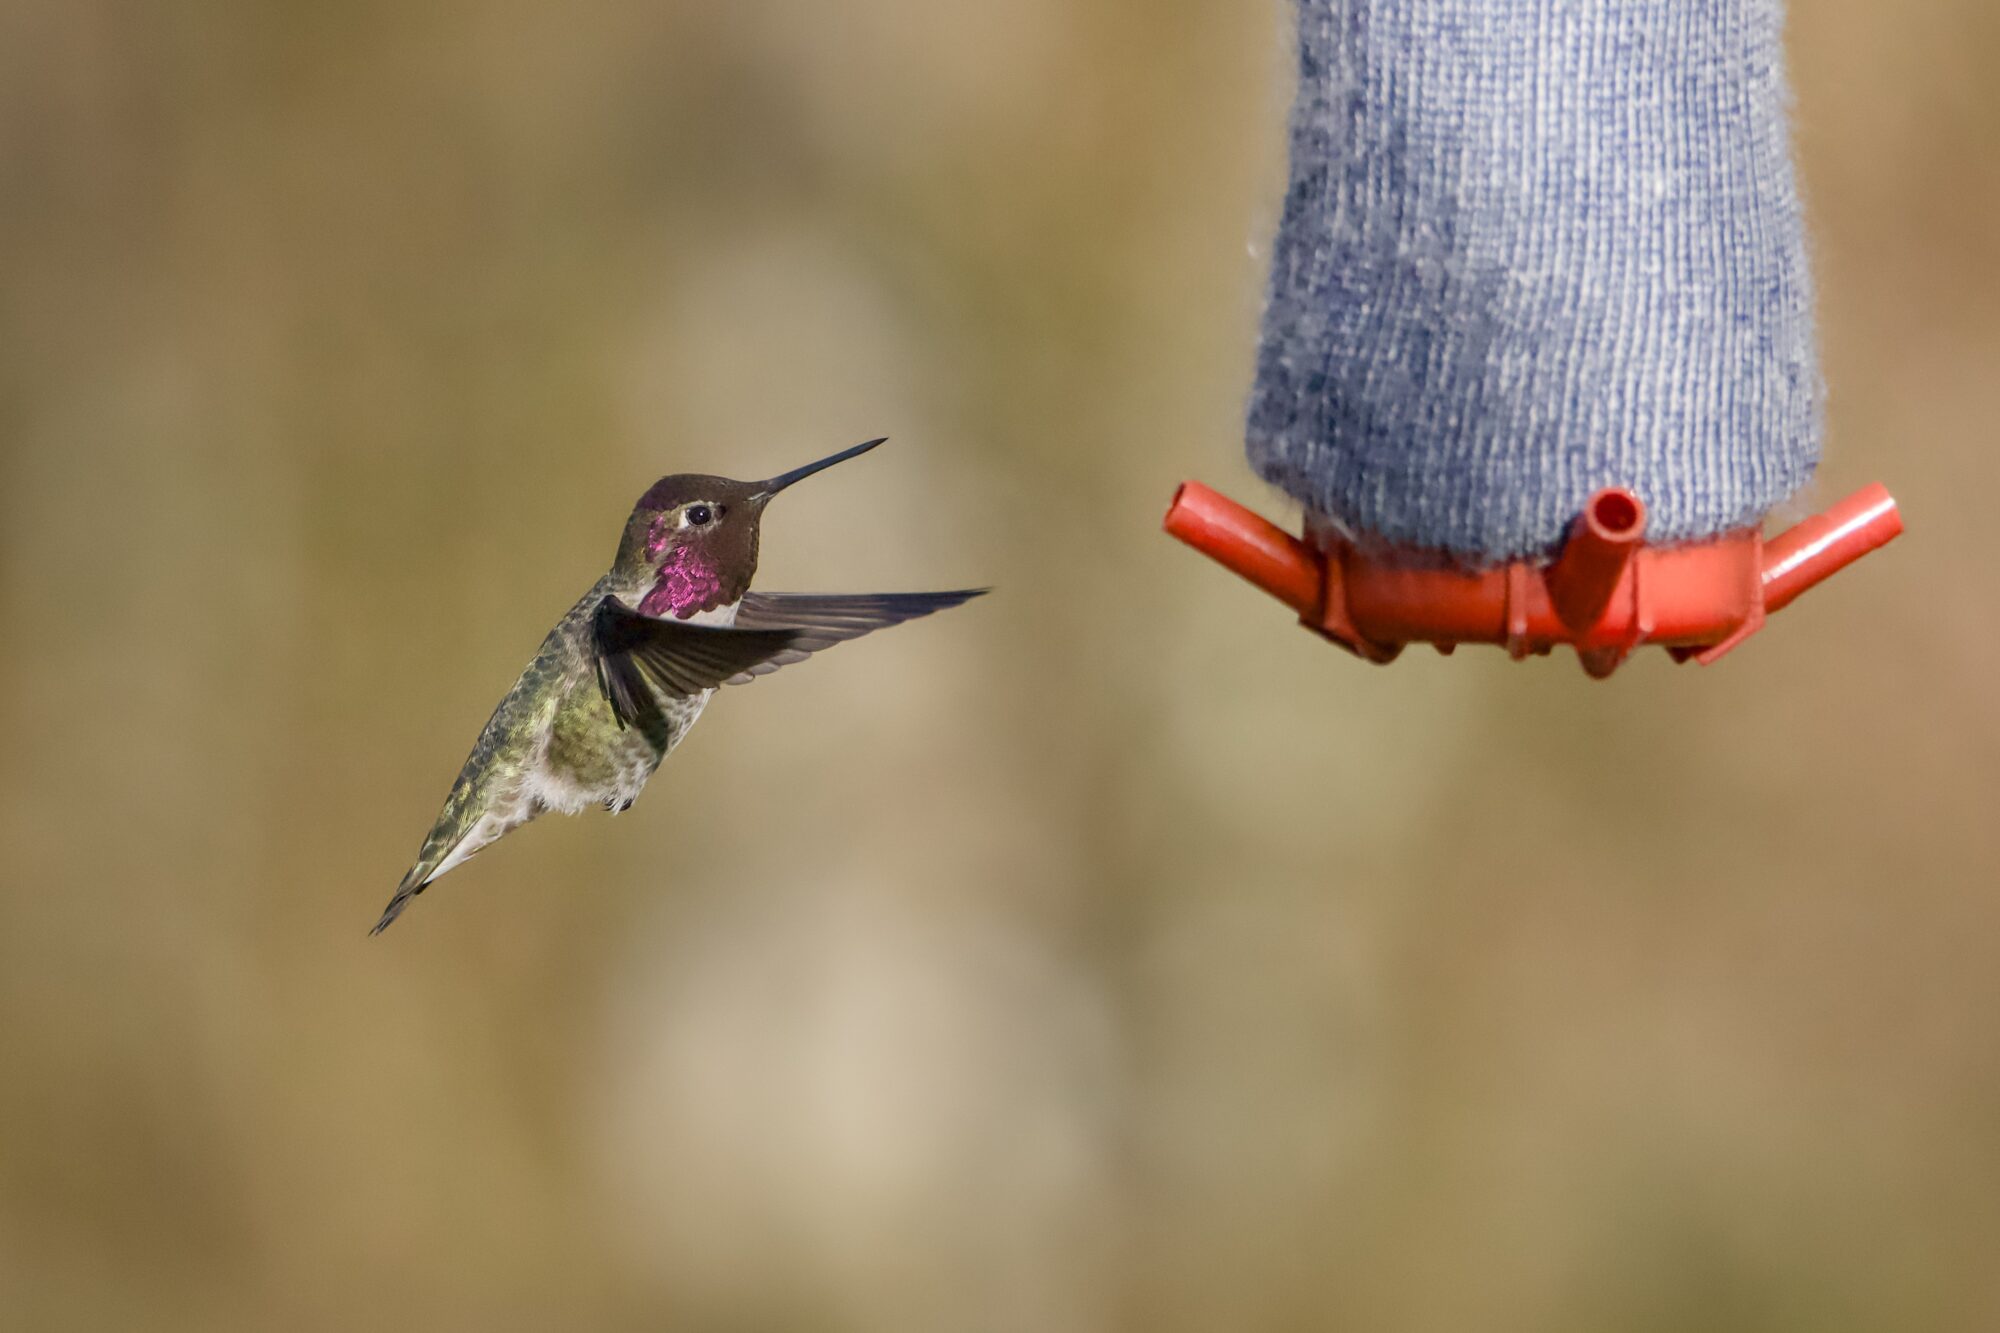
{"x":626,"y":672}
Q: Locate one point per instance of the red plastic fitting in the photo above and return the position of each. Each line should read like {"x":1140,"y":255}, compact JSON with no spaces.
{"x":1602,"y":542}
{"x":1606,"y":593}
{"x":1819,"y":547}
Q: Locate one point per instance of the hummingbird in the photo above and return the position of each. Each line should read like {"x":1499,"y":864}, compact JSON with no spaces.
{"x":625,"y":673}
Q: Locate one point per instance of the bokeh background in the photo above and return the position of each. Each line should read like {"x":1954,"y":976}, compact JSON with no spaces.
{"x":1107,"y":955}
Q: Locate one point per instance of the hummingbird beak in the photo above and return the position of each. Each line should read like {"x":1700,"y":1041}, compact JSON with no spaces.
{"x":767,"y":489}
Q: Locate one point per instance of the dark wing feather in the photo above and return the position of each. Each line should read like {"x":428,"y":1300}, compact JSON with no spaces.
{"x":820,"y":620}
{"x":639,"y":656}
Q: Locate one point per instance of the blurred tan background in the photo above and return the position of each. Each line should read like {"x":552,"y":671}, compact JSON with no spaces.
{"x":1107,"y":955}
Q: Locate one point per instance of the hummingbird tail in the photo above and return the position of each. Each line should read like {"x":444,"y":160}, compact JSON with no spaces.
{"x":408,"y":889}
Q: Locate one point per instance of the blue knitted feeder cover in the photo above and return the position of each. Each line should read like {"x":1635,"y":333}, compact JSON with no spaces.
{"x":1531,"y":248}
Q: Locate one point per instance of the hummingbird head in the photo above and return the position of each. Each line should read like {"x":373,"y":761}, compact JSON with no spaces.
{"x":695,"y":536}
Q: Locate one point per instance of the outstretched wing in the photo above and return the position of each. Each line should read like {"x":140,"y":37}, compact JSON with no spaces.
{"x":640,"y":657}
{"x":820,"y":620}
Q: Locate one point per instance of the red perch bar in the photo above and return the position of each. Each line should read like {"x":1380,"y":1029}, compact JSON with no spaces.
{"x":1606,"y":593}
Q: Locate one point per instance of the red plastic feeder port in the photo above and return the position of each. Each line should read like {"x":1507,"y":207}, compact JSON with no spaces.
{"x":1607,"y":593}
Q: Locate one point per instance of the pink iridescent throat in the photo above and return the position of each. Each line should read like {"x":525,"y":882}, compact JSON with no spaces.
{"x":687,"y":583}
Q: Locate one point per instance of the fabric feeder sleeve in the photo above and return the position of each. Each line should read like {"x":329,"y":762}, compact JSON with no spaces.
{"x":1531,"y":248}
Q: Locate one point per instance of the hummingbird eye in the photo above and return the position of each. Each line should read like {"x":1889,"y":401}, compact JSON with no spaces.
{"x":699,"y":515}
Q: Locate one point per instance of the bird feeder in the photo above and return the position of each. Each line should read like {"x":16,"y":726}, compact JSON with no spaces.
{"x":1606,"y":594}
{"x":1538,"y":352}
